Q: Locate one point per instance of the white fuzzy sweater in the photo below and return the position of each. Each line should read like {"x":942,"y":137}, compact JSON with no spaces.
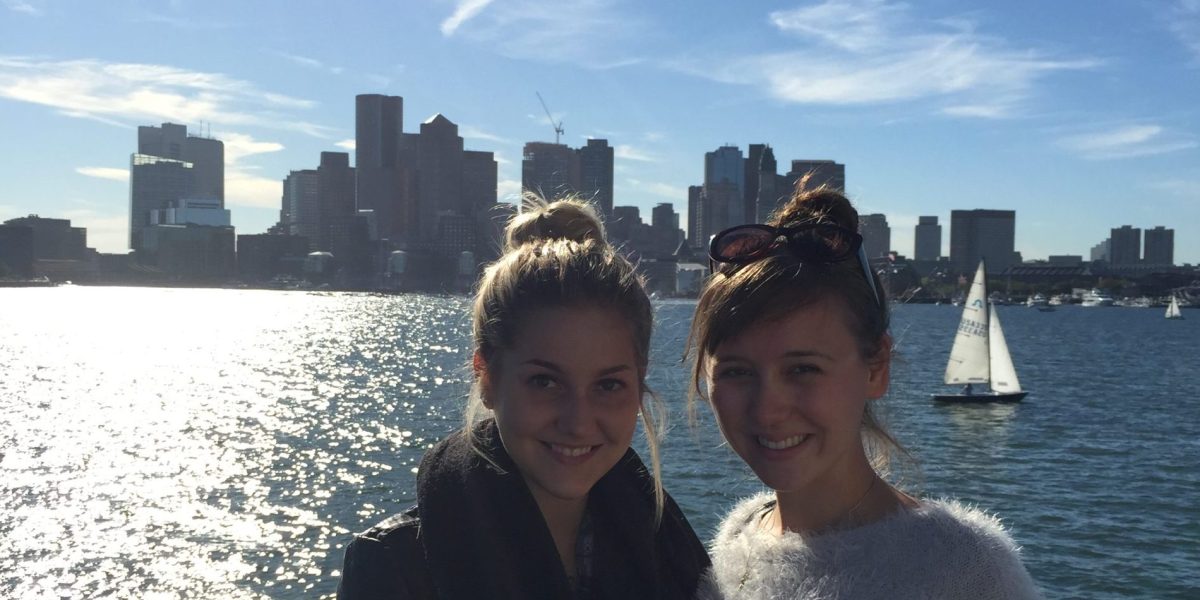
{"x":943,"y":549}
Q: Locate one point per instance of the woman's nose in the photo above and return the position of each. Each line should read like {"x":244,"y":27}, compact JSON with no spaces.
{"x":770,"y":400}
{"x":575,"y":413}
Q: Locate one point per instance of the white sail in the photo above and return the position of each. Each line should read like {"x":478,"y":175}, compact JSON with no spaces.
{"x":969,"y":355}
{"x":1173,"y":309}
{"x":1004,"y":374}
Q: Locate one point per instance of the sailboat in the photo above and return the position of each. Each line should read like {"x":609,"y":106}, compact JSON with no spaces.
{"x":1173,"y":309}
{"x":980,"y":355}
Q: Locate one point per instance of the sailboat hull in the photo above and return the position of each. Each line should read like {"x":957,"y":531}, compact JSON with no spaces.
{"x":980,"y":398}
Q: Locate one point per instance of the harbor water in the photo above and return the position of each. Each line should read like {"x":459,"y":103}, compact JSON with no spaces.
{"x":172,"y":443}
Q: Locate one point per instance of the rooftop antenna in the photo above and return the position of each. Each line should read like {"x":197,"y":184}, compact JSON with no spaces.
{"x":558,"y":128}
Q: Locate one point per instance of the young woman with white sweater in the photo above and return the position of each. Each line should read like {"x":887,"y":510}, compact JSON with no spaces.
{"x":791,"y":345}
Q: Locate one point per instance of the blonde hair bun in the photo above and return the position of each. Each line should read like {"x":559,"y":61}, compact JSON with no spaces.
{"x":569,"y":218}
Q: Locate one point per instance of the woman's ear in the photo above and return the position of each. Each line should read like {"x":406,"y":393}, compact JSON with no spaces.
{"x":479,"y":366}
{"x":879,"y":369}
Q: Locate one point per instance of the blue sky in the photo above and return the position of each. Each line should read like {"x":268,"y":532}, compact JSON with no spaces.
{"x":1081,"y":116}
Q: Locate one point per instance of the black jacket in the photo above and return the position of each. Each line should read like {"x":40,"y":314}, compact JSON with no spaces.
{"x":477,"y":533}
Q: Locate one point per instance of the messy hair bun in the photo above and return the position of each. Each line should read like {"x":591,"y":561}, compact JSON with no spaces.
{"x":569,"y":219}
{"x":821,"y":204}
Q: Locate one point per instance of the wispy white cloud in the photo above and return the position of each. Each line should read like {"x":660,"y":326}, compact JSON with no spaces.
{"x":474,"y":133}
{"x":1127,"y":141}
{"x":244,"y":188}
{"x":657,"y":188}
{"x":125,"y":93}
{"x":106,"y":232}
{"x":110,"y":173}
{"x":189,"y":23}
{"x":853,"y":52}
{"x":463,"y":12}
{"x":346,"y":144}
{"x":627,"y":152}
{"x":240,"y":145}
{"x":590,"y":33}
{"x":307,"y":62}
{"x":23,"y":7}
{"x":1183,"y":20}
{"x":508,"y":190}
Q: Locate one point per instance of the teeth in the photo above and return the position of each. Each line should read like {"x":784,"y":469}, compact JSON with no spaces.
{"x":571,"y":450}
{"x":782,"y":445}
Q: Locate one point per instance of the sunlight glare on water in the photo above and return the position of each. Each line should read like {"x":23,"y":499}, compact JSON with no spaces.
{"x":174,"y":443}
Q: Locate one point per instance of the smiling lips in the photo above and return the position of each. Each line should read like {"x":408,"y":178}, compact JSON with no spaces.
{"x":783,"y":444}
{"x":571,"y":452}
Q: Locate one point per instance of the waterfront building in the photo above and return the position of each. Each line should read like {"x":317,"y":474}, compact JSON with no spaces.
{"x":264,"y":256}
{"x":596,"y":174}
{"x":624,"y":222}
{"x":191,"y":211}
{"x":16,"y":251}
{"x":169,"y":166}
{"x":1100,"y":252}
{"x":379,"y":182}
{"x":821,"y":173}
{"x":665,"y":223}
{"x":53,"y":239}
{"x":189,"y":253}
{"x":877,"y":235}
{"x":1125,"y":245}
{"x":154,"y":182}
{"x":555,"y":170}
{"x":724,"y":182}
{"x":300,"y":213}
{"x":695,"y":220}
{"x":927,"y":239}
{"x":1159,"y":247}
{"x":982,"y":234}
{"x":776,"y":190}
{"x":759,"y":159}
{"x":1064,"y":260}
{"x":207,"y":156}
{"x":766,"y":186}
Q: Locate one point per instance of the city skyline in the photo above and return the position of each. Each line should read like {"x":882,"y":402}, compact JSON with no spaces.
{"x":1080,"y":127}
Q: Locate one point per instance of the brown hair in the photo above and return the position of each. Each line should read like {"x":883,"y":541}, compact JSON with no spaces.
{"x":739,"y":297}
{"x":556,"y":255}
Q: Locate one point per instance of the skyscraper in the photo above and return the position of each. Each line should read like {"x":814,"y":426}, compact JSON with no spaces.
{"x":695,"y":216}
{"x":379,"y":184}
{"x":927,"y":239}
{"x":1159,"y":246}
{"x":820,"y":172}
{"x":877,"y":235}
{"x":773,"y":195}
{"x":982,"y":234}
{"x":555,"y":170}
{"x":724,"y":182}
{"x":1126,"y":246}
{"x":549,"y":169}
{"x":596,"y":174}
{"x":170,"y":166}
{"x":301,"y":216}
{"x":753,"y":166}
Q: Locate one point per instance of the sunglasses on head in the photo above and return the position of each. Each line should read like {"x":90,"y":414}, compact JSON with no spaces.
{"x":812,"y":242}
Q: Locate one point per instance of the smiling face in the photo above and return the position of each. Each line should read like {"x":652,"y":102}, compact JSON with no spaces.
{"x":566,"y":397}
{"x":789,"y":397}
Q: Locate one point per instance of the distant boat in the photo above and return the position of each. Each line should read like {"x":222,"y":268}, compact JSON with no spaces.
{"x":1096,"y":297}
{"x":1037,"y":300}
{"x":1173,"y":311}
{"x":980,"y":355}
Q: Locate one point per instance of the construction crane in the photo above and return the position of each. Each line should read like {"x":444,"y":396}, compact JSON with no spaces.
{"x":558,"y":128}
